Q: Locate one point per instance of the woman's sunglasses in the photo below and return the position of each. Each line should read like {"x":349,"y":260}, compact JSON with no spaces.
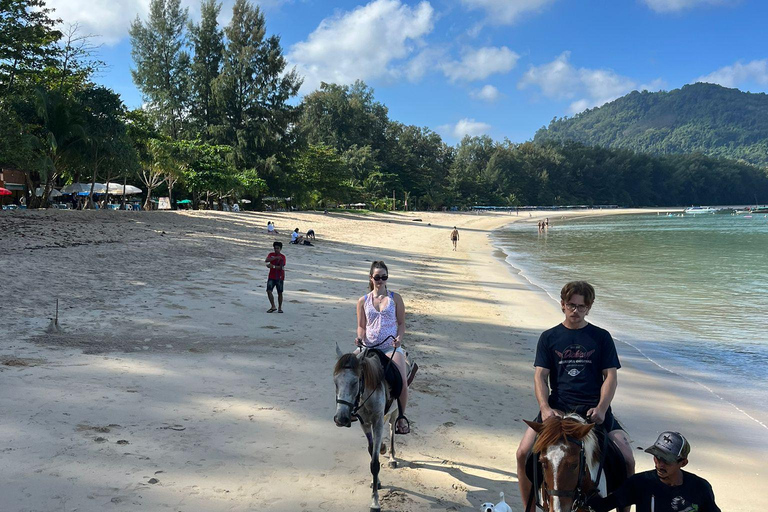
{"x":380,"y":278}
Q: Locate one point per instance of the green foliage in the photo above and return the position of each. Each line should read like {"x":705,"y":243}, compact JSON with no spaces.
{"x":207,"y":40}
{"x":698,"y":118}
{"x":321,"y":170}
{"x":162,"y":65}
{"x":27,"y":41}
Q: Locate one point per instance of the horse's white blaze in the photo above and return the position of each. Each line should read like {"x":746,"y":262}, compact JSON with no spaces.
{"x":555,"y":456}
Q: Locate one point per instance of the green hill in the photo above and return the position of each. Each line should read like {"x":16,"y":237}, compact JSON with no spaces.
{"x":699,"y":118}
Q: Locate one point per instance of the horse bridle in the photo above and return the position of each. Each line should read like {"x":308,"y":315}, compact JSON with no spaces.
{"x":354,"y":407}
{"x":577,"y":494}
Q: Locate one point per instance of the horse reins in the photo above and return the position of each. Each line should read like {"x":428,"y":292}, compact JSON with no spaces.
{"x":354,"y":407}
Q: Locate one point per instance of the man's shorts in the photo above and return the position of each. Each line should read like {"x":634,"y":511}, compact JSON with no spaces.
{"x":275,"y":283}
{"x":610,"y":423}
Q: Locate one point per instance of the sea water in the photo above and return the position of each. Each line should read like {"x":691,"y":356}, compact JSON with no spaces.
{"x":690,"y":292}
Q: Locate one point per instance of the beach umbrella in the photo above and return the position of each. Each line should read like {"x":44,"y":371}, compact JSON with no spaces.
{"x":54,"y":192}
{"x":77,"y":188}
{"x":5,"y":192}
{"x":117,"y":189}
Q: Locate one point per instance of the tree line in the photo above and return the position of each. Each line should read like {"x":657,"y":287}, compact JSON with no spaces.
{"x":221,"y":120}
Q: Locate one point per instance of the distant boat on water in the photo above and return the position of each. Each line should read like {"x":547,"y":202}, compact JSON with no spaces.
{"x":695,"y":210}
{"x":759,"y":209}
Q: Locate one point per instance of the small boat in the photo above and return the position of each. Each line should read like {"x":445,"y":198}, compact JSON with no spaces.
{"x":760,"y":209}
{"x":695,"y":210}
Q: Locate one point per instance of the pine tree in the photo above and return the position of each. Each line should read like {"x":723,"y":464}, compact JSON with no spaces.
{"x":208,"y":43}
{"x":162,"y":65}
{"x":252,"y":92}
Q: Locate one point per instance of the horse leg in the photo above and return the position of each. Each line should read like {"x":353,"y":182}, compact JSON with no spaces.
{"x":377,"y":430}
{"x":392,"y":460}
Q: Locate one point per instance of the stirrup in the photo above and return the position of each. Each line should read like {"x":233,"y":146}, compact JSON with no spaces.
{"x":411,"y":375}
{"x":398,"y":430}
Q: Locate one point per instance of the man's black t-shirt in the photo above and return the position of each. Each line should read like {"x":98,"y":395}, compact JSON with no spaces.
{"x":576,"y":359}
{"x":693,"y":495}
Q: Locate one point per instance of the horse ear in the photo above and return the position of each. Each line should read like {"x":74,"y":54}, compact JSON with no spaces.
{"x":339,"y":353}
{"x":582,"y":430}
{"x":537,"y":427}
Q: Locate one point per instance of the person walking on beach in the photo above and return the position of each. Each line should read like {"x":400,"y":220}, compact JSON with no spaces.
{"x":276,"y":264}
{"x":455,"y":237}
{"x":575,"y":371}
{"x":667,"y":488}
{"x":380,"y":317}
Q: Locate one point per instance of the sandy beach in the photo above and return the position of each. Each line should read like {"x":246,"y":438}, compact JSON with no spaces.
{"x":170,"y":387}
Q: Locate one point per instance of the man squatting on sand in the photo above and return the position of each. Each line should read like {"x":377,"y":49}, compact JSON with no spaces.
{"x":665,"y":489}
{"x":575,"y":371}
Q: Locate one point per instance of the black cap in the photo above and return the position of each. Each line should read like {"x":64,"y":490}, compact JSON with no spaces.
{"x":670,"y":447}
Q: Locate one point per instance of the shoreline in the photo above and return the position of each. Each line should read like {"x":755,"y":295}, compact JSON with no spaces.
{"x":230,"y":407}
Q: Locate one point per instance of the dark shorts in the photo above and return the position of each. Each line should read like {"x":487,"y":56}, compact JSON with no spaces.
{"x":609,"y":424}
{"x":272,"y":283}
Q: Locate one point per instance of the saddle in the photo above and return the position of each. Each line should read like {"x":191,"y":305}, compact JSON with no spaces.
{"x":391,"y":374}
{"x":614,"y":467}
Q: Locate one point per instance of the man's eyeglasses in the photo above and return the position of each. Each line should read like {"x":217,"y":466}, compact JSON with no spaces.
{"x":380,"y":278}
{"x":581,"y":308}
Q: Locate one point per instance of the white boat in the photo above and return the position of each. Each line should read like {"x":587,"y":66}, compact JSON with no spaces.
{"x":693,"y":210}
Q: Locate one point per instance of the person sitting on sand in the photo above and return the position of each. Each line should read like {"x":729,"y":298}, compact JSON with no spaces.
{"x":381,"y":314}
{"x":276,"y":264}
{"x":455,"y":237}
{"x":665,"y":489}
{"x":271,"y":228}
{"x":575,"y":371}
{"x":296,"y":238}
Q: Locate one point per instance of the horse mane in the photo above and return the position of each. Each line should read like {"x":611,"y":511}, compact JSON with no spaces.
{"x":369,"y":367}
{"x":556,"y":429}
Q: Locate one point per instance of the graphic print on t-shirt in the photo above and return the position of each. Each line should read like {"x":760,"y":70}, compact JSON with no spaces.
{"x":679,"y":505}
{"x":574,"y":359}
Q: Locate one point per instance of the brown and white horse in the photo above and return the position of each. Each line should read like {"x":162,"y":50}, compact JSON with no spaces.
{"x":570,"y":459}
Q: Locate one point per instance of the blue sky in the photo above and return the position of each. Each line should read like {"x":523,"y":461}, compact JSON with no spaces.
{"x":501,"y":67}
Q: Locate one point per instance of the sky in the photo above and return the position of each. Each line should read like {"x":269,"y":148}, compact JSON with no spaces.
{"x":504,"y":68}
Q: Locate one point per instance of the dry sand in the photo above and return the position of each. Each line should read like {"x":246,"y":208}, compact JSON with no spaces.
{"x":171,"y":388}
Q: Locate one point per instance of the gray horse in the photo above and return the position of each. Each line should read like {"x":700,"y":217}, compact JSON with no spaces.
{"x":361,"y":391}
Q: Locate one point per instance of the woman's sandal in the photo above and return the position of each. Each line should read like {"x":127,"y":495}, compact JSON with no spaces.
{"x":398,"y":429}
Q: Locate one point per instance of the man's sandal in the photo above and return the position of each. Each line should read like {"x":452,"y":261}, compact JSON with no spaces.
{"x":271,"y":310}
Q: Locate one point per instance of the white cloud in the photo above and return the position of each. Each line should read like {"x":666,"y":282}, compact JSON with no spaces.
{"x":680,"y":5}
{"x":739,"y":74}
{"x":365,"y":43}
{"x":110,"y":20}
{"x":587,"y":88}
{"x":506,"y":12}
{"x":464,"y":127}
{"x":487,"y":93}
{"x":480,"y":63}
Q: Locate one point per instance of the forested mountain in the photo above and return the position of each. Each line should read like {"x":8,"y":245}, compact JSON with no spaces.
{"x":699,"y":118}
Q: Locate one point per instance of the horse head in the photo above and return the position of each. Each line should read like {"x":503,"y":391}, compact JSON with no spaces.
{"x":346,"y":377}
{"x":568,"y":453}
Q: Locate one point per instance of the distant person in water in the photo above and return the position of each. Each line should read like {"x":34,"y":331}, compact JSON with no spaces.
{"x":546,"y":222}
{"x":575,"y":371}
{"x":455,"y":237}
{"x":667,"y":488}
{"x":276,"y":264}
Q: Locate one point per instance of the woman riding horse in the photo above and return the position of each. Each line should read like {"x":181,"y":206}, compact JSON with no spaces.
{"x":381,"y":325}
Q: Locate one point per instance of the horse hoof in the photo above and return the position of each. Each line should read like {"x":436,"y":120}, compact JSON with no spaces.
{"x":393,"y":463}
{"x":375,"y":509}
{"x":379,"y":487}
{"x":383,"y":449}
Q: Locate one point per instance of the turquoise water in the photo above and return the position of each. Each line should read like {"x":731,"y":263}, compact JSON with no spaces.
{"x":691,"y":292}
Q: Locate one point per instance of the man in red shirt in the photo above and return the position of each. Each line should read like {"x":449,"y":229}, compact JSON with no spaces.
{"x":276,"y":265}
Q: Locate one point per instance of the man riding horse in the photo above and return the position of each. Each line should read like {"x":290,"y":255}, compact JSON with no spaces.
{"x":575,"y":371}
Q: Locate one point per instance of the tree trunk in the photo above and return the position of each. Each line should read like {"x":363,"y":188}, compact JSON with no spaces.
{"x":148,"y":202}
{"x":122,"y":200}
{"x":93,"y":185}
{"x":106,"y":192}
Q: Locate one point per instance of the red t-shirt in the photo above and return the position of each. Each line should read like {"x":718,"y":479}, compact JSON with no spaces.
{"x":276,"y":259}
